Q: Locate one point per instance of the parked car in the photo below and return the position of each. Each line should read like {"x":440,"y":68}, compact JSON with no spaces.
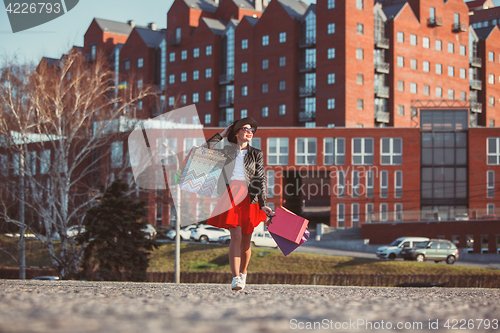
{"x":259,"y":238}
{"x":433,"y":249}
{"x":205,"y":233}
{"x":462,"y":217}
{"x":74,"y":230}
{"x":490,"y":217}
{"x":150,"y":231}
{"x":393,"y":250}
{"x":184,"y":233}
{"x":226,"y":239}
{"x":47,"y":278}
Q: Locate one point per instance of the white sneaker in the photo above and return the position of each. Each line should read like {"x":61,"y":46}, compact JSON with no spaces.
{"x":237,"y":284}
{"x":243,"y":278}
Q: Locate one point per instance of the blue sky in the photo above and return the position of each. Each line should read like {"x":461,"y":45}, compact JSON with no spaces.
{"x":54,"y":38}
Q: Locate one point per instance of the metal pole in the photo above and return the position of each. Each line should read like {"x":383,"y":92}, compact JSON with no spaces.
{"x":178,"y":237}
{"x":22,"y":228}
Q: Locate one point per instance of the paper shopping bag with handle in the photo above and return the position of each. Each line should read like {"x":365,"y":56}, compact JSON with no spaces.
{"x":286,"y":246}
{"x":288,"y":225}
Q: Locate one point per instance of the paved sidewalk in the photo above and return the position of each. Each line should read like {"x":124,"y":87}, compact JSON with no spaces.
{"x":73,"y":306}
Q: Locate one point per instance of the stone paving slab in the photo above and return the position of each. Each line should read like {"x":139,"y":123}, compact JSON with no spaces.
{"x":77,"y":306}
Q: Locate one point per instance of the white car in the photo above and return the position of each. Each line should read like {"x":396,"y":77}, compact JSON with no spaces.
{"x":259,"y":238}
{"x":150,"y":231}
{"x":206,"y":233}
{"x":393,"y":250}
{"x":185,"y":232}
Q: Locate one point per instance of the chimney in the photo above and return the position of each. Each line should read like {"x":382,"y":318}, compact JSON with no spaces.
{"x":258,"y":5}
{"x":152,"y":26}
{"x":131,"y":23}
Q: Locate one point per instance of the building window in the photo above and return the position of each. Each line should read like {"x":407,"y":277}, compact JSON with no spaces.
{"x":413,"y":40}
{"x":426,"y":42}
{"x":439,"y":45}
{"x":184,"y":55}
{"x":282,"y":85}
{"x":265,"y":111}
{"x":369,"y":216}
{"x":208,"y":118}
{"x":196,"y":52}
{"x":139,"y":84}
{"x":491,"y":56}
{"x":451,"y":94}
{"x":439,"y":69}
{"x":398,"y":212}
{"x":171,"y":57}
{"x":331,"y":53}
{"x":116,"y":154}
{"x":491,"y":79}
{"x":208,"y":96}
{"x":427,"y":90}
{"x":282,"y":37}
{"x":305,"y":151}
{"x":355,"y":215}
{"x":244,"y":91}
{"x":359,"y":28}
{"x":265,"y":63}
{"x":277,"y":151}
{"x":360,"y":104}
{"x":196,"y":75}
{"x":401,"y":110}
{"x":401,"y":86}
{"x":463,"y":73}
{"x":331,"y":4}
{"x":334,"y":151}
{"x":355,"y":184}
{"x":384,"y":184}
{"x":270,"y":183}
{"x":282,"y":61}
{"x":360,"y":79}
{"x":208,"y":73}
{"x":196,"y":98}
{"x":413,"y":88}
{"x":244,"y":114}
{"x":490,"y":189}
{"x":340,"y":215}
{"x":331,"y":103}
{"x":208,"y":50}
{"x":493,"y":149}
{"x":331,"y":28}
{"x":401,"y":61}
{"x":359,"y":54}
{"x":265,"y":88}
{"x":265,"y":40}
{"x":413,"y":64}
{"x":384,"y":214}
{"x":391,"y":151}
{"x":463,"y":50}
{"x":140,"y":62}
{"x":426,"y":66}
{"x":282,"y":110}
{"x":400,"y":37}
{"x":244,"y":67}
{"x":451,"y":71}
{"x":184,"y":99}
{"x":439,"y":92}
{"x":492,"y":122}
{"x":490,"y":209}
{"x":359,"y":4}
{"x":451,"y":48}
{"x":491,"y":101}
{"x":171,"y":101}
{"x":331,"y":78}
{"x":463,"y":96}
{"x":398,"y":184}
{"x":183,"y":77}
{"x":127,"y":64}
{"x":171,"y":79}
{"x":362,"y":151}
{"x":244,"y":44}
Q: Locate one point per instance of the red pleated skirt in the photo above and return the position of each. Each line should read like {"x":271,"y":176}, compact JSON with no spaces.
{"x":235,"y":209}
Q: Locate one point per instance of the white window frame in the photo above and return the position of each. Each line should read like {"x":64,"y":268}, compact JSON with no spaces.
{"x":391,"y":154}
{"x":336,"y":143}
{"x":270,"y":183}
{"x":278,"y":154}
{"x":340,"y":184}
{"x":355,"y":184}
{"x":384,"y":213}
{"x":306,"y":154}
{"x":355,"y":214}
{"x":398,"y":188}
{"x":400,"y":37}
{"x":369,"y":213}
{"x":384,"y":186}
{"x":490,"y":186}
{"x":398,"y":209}
{"x":340,"y":217}
{"x":426,"y":42}
{"x":363,"y":154}
{"x":413,"y":40}
{"x":495,"y":154}
{"x":370,"y":182}
{"x":490,"y":209}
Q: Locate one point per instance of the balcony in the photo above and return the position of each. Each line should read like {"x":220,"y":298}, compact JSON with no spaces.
{"x":382,"y":92}
{"x":307,"y":91}
{"x":382,"y":67}
{"x":476,"y":107}
{"x":382,"y":42}
{"x":476,"y":84}
{"x":475,"y":62}
{"x":174,"y":41}
{"x":226,"y":78}
{"x":225,"y":102}
{"x":382,"y":117}
{"x":307,"y":42}
{"x":309,"y":66}
{"x":307,"y":116}
{"x":459,"y":27}
{"x":435,"y":21}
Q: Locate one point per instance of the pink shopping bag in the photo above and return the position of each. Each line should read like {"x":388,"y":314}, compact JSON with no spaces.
{"x":288,"y":225}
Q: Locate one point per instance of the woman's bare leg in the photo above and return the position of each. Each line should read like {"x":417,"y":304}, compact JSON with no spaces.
{"x":235,"y":250}
{"x":246,"y":252}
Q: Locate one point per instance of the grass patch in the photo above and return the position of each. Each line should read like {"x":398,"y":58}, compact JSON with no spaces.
{"x":36,"y":254}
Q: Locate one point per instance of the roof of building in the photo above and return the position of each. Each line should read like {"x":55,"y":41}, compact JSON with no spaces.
{"x":391,"y":2}
{"x":484,"y":33}
{"x":152,"y":38}
{"x":245,"y":4}
{"x":296,"y":9}
{"x":484,"y":15}
{"x":392,"y":11}
{"x":51,"y":61}
{"x":204,"y":5}
{"x":252,"y":20}
{"x":479,"y":4}
{"x":114,"y":26}
{"x":216,"y":26}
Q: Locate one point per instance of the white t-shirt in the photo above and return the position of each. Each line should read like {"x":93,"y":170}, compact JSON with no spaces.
{"x":239,"y":168}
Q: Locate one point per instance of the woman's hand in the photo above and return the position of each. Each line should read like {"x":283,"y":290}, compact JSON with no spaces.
{"x":225,"y":133}
{"x":267,"y":210}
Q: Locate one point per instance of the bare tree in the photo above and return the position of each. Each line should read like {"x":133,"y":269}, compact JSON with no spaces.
{"x":58,"y":125}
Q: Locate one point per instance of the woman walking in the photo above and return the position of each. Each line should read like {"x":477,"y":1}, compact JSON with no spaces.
{"x":242,"y":189}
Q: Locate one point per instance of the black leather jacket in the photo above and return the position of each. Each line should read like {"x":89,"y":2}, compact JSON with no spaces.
{"x":254,"y":170}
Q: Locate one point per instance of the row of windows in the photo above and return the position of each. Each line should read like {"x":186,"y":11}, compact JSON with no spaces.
{"x":426,"y":67}
{"x":196,"y":76}
{"x":369,"y":215}
{"x":438,"y":46}
{"x":140,"y":63}
{"x":195,"y":99}
{"x":196,"y":53}
{"x":427,"y":91}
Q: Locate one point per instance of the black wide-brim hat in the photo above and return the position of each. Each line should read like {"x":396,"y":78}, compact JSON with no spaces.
{"x":238,"y":124}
